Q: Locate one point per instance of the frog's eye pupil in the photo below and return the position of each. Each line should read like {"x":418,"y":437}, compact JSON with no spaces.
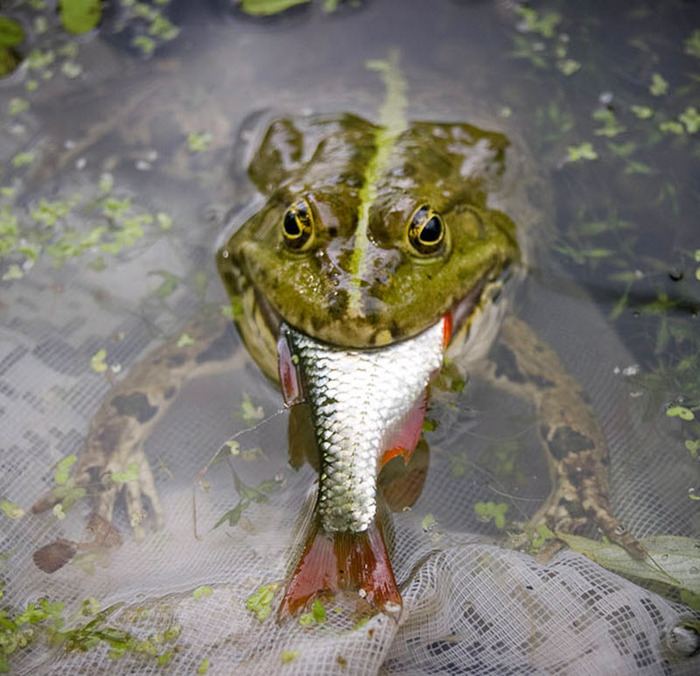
{"x":432,"y":231}
{"x":298,"y":225}
{"x":426,"y":231}
{"x":291,"y":226}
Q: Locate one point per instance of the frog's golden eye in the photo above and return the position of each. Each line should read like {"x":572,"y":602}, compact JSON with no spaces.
{"x":426,"y":230}
{"x":298,"y":225}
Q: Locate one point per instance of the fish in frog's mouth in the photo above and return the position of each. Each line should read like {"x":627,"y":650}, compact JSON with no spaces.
{"x":367,"y":407}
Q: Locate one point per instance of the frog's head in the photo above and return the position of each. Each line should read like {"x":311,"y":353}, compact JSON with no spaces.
{"x":362,"y":247}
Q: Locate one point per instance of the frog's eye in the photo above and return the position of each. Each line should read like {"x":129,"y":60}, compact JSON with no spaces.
{"x":298,"y":225}
{"x":426,"y":230}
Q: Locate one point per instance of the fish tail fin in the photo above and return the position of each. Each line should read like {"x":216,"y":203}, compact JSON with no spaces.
{"x":334,"y":562}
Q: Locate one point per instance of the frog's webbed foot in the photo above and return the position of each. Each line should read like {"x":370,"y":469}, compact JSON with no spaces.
{"x":529,"y":369}
{"x":113,"y":461}
{"x":128,"y":474}
{"x":579,"y":496}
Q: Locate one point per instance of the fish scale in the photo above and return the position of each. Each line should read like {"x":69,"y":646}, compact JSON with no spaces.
{"x":359,"y":399}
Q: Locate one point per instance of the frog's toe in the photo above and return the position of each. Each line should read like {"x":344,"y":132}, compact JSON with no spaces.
{"x":137,"y":491}
{"x":148,"y":490}
{"x":104,"y":499}
{"x":135,"y":510}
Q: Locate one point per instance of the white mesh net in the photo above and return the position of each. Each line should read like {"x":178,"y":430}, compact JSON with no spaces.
{"x":181,"y":598}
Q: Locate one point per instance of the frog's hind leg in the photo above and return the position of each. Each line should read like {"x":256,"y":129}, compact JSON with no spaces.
{"x":526,"y":367}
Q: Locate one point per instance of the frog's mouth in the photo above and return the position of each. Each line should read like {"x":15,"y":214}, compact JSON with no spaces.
{"x":260,"y":321}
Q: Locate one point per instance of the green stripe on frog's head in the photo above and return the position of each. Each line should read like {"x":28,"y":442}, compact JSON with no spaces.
{"x":392,"y":122}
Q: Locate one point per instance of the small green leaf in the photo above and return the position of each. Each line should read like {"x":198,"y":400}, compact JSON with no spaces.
{"x":693,"y":448}
{"x":17,"y":106}
{"x":568,"y":66}
{"x":11,"y":510}
{"x":288,"y":656}
{"x":132,"y":473}
{"x":260,"y":603}
{"x":80,"y":16}
{"x":642,"y":112}
{"x":204,"y":666}
{"x":11,"y":32}
{"x":198,"y":143}
{"x":22,"y":159}
{"x":691,"y":119}
{"x":491,"y":511}
{"x":544,"y":24}
{"x":90,"y":606}
{"x":145,"y":44}
{"x":97,"y":361}
{"x":306,"y":619}
{"x":318,"y":611}
{"x":428,"y":522}
{"x":622,"y":149}
{"x":200,"y":592}
{"x":268,"y":7}
{"x":63,"y":468}
{"x":692,"y":44}
{"x":543,"y":534}
{"x":585,"y":151}
{"x":71,"y":69}
{"x":12,"y":272}
{"x":233,"y":516}
{"x":249,"y":412}
{"x":672,"y":127}
{"x":680,"y":412}
{"x":165,"y":221}
{"x":184,"y":340}
{"x":658,"y":86}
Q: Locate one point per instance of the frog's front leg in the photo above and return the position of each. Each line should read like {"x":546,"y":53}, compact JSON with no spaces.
{"x":115,"y":440}
{"x":528,"y":368}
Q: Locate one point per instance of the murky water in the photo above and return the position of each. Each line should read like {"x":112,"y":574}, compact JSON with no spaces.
{"x":123,"y":170}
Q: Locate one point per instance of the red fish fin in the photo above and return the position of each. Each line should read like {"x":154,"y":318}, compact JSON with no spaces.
{"x":333,"y":562}
{"x":290,"y":382}
{"x":402,"y":483}
{"x":404,"y":440}
{"x":301,"y":437}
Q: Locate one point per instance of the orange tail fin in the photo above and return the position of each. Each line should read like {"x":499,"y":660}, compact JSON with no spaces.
{"x":332,"y":562}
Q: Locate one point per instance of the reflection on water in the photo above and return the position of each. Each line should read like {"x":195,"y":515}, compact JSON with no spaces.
{"x":123,"y":164}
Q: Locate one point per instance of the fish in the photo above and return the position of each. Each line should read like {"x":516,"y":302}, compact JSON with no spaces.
{"x":367,"y":407}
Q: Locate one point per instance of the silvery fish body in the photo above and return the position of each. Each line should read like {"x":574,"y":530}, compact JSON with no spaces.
{"x":359,"y":399}
{"x":366,"y":406}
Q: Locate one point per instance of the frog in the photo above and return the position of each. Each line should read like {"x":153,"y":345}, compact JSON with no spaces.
{"x":385,"y":263}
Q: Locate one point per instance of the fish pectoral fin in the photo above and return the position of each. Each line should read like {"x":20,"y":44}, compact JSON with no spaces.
{"x":401,"y":482}
{"x":302,"y":437}
{"x":405,"y":438}
{"x":288,"y":373}
{"x":334,"y":562}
